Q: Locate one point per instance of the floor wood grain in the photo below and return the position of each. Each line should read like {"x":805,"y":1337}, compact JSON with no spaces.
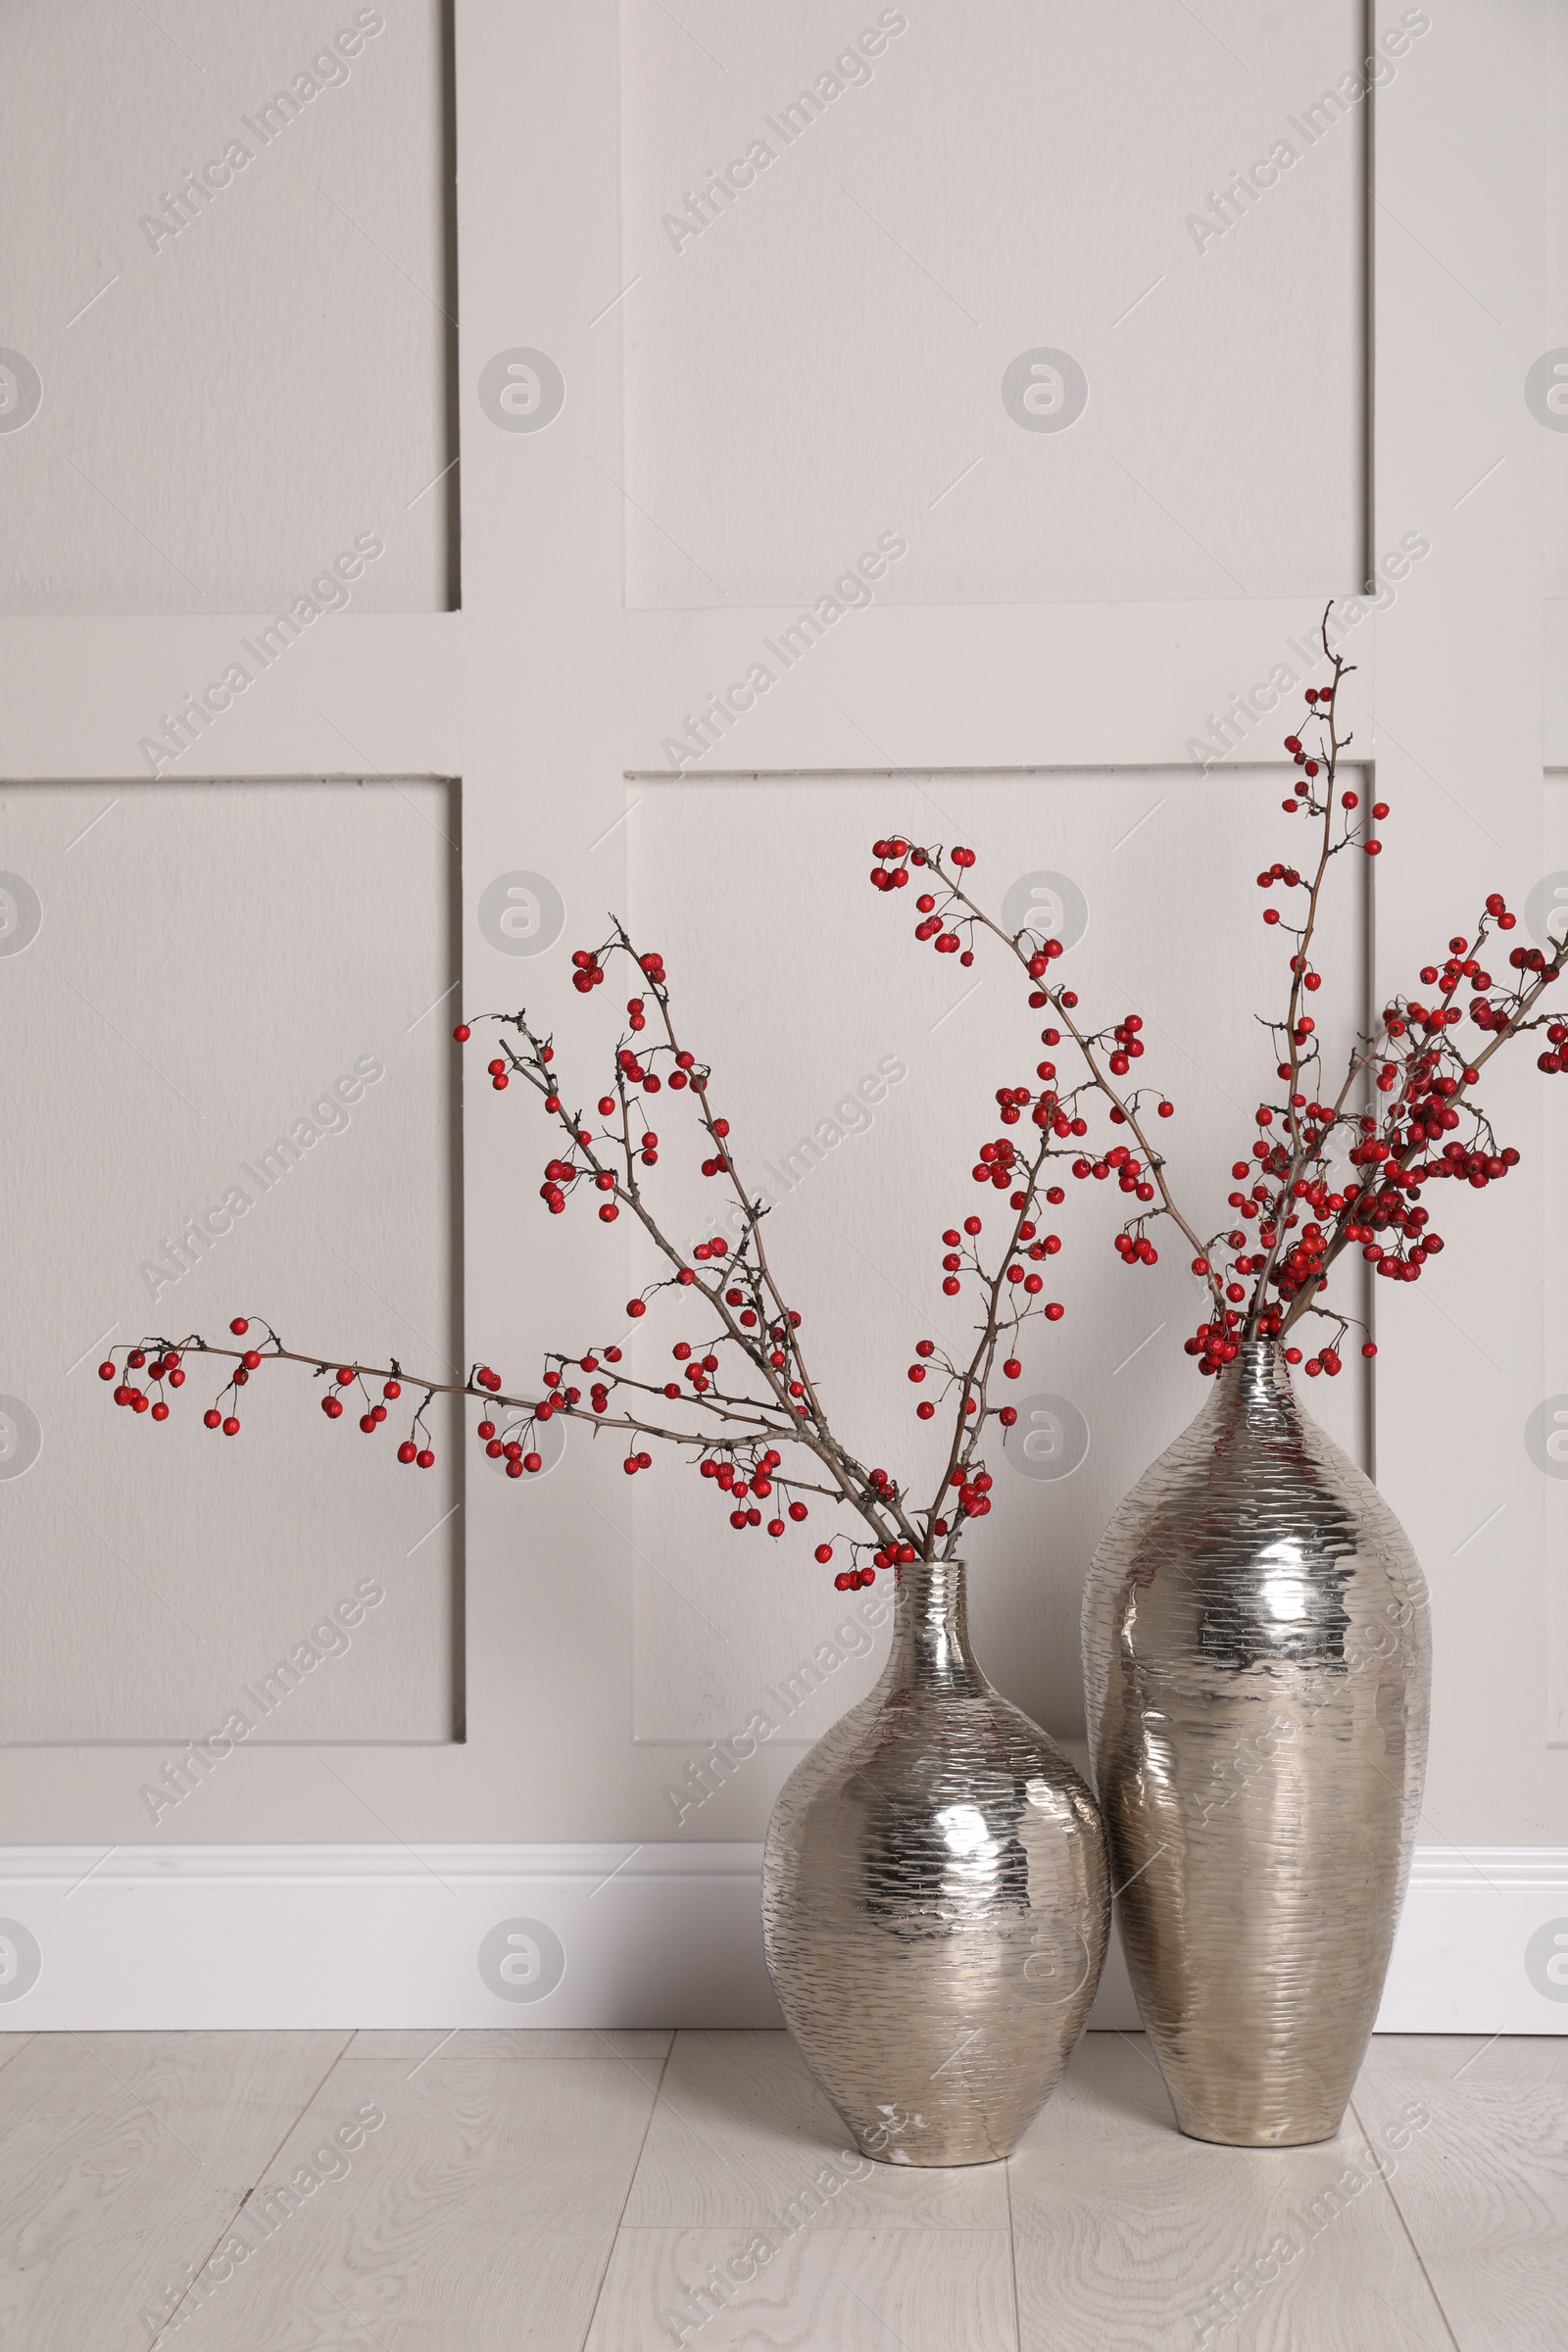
{"x":539,"y":2191}
{"x":503,"y":2041}
{"x":122,"y":2156}
{"x":1126,"y":2234}
{"x":1477,"y":2134}
{"x":843,"y":2291}
{"x":476,"y":2208}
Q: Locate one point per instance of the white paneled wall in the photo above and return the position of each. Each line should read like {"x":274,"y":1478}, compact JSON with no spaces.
{"x":222,"y":1100}
{"x":226,"y":268}
{"x":844,"y":229}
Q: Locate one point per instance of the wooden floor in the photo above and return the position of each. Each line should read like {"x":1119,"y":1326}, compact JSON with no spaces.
{"x":490,"y":2191}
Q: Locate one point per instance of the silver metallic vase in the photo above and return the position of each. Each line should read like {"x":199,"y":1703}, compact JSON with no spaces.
{"x":935,"y":1899}
{"x":1257,"y":1663}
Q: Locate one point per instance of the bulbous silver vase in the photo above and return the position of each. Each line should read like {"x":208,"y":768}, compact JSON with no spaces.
{"x":935,"y":1899}
{"x":1258,"y":1665}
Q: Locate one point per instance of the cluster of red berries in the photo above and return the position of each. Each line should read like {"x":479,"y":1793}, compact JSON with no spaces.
{"x":892,"y":873}
{"x":996,"y":1162}
{"x":1121,"y":1163}
{"x":886,"y":1555}
{"x":165,"y":1365}
{"x":740,"y":1483}
{"x":974,"y":1492}
{"x":411,"y":1451}
{"x":507,"y":1449}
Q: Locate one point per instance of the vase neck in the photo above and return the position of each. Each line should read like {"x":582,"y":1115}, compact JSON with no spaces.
{"x":1259,"y":1379}
{"x":931,"y":1629}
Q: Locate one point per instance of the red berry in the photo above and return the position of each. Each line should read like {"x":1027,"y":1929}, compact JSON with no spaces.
{"x":211,"y":1418}
{"x":105,"y":1371}
{"x":824,"y":1552}
{"x":331,"y":1406}
{"x":239,"y":1327}
{"x":407,"y":1450}
{"x":160,"y":1411}
{"x":231,"y":1427}
{"x":425,"y":1458}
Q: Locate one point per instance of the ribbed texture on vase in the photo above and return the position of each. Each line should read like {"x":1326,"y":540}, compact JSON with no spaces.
{"x":1257,"y":1668}
{"x":935,"y":1899}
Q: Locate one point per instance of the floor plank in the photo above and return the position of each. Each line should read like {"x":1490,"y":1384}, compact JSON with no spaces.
{"x":1127,"y":2234}
{"x":819,"y":2291}
{"x":395,"y":2192}
{"x":1483,"y":2185}
{"x":122,"y":2155}
{"x":641,"y":2042}
{"x":741,"y":2129}
{"x":477,"y":2216}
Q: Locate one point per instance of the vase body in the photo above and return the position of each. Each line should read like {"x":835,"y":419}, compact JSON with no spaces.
{"x":935,"y":1899}
{"x":1257,"y":1669}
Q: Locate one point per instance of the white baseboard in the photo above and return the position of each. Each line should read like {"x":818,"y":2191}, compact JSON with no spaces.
{"x":187,"y":1938}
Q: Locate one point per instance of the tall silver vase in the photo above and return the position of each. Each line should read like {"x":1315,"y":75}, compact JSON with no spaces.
{"x":935,"y":1899}
{"x":1258,"y":1662}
